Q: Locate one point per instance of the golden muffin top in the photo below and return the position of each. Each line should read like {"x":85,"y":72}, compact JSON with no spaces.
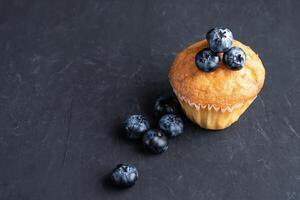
{"x":221,"y":88}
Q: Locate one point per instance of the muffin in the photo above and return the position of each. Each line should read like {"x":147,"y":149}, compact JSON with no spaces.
{"x":216,"y":99}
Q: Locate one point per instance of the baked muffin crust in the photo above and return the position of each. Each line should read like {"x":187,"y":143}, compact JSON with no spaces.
{"x":222,"y":88}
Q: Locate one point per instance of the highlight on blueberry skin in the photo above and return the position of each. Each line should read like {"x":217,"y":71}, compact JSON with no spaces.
{"x":124,"y":175}
{"x":207,"y":60}
{"x":155,"y":141}
{"x":219,"y":39}
{"x":235,"y":58}
{"x":171,"y":124}
{"x":136,"y":126}
{"x":166,"y":104}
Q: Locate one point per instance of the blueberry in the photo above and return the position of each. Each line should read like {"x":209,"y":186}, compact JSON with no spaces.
{"x":171,"y":124}
{"x":166,"y":104}
{"x":206,"y":60}
{"x":136,"y":126}
{"x":124,"y":175}
{"x":156,"y":141}
{"x":235,"y":58}
{"x":219,"y":39}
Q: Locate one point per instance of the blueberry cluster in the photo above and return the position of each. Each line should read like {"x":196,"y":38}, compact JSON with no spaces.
{"x":170,"y":124}
{"x":155,"y":139}
{"x":220,"y":41}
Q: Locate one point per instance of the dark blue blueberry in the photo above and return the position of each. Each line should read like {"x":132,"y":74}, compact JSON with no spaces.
{"x":155,"y":140}
{"x":124,"y":175}
{"x":219,"y":39}
{"x":136,"y":126}
{"x":235,"y":58}
{"x":206,"y":60}
{"x":167,"y":104}
{"x":171,"y":124}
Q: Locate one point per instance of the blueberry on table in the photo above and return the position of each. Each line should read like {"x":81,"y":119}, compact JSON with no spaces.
{"x":124,"y":175}
{"x":166,"y":104}
{"x":219,"y":39}
{"x":235,"y":58}
{"x":156,"y":141}
{"x":136,"y":126}
{"x":171,"y":124}
{"x":207,"y":60}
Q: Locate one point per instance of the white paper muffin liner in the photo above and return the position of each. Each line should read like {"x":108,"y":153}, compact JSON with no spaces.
{"x":208,"y":106}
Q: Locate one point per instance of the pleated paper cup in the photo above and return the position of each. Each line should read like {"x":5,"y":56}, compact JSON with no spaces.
{"x":210,"y":116}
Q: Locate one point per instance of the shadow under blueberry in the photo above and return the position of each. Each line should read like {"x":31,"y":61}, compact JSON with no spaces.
{"x":118,"y":130}
{"x":139,"y":148}
{"x":106,"y":183}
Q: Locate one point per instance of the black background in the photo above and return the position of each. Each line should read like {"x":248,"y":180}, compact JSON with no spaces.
{"x":71,"y":71}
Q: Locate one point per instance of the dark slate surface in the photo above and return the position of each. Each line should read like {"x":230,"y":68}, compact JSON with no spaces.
{"x":71,"y":71}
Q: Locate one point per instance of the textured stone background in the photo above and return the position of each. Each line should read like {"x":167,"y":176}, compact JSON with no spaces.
{"x":71,"y":71}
